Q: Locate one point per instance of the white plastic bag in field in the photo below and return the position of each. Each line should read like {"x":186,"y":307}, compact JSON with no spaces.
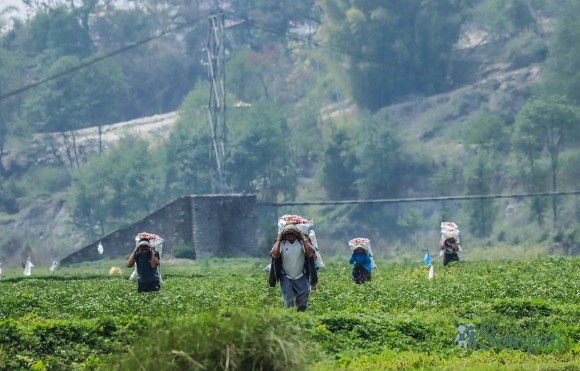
{"x":134,"y":276}
{"x":28,"y":267}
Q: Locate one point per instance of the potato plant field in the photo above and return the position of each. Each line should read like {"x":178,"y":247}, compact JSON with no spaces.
{"x":221,"y":314}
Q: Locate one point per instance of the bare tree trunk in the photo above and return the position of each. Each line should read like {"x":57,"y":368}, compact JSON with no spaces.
{"x":3,"y":171}
{"x":554,"y":189}
{"x":100,"y":138}
{"x":554,"y":165}
{"x":74,"y":149}
{"x":54,"y":149}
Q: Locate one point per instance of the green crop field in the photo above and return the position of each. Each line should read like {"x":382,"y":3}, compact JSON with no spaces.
{"x":221,"y":314}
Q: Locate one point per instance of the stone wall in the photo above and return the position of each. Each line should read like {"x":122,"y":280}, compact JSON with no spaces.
{"x":224,"y":226}
{"x":216,"y":225}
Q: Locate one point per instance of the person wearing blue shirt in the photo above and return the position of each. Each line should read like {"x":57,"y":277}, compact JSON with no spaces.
{"x":361,"y":272}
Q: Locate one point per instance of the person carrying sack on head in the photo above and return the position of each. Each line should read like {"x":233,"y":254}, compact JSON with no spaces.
{"x":147,"y":260}
{"x":293,"y":266}
{"x":450,"y":247}
{"x":449,"y":242}
{"x":361,"y":271}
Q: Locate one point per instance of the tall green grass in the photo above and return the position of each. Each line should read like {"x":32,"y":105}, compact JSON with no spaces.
{"x":231,"y":340}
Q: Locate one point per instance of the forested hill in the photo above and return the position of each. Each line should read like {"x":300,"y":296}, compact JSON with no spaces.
{"x":326,"y":100}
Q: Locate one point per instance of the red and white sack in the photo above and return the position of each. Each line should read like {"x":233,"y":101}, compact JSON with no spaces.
{"x":449,"y":229}
{"x":303,"y":224}
{"x":155,"y":241}
{"x":365,"y":242}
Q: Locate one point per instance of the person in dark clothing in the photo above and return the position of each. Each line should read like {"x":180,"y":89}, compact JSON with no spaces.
{"x":147,"y":260}
{"x":293,"y":266}
{"x":450,"y":247}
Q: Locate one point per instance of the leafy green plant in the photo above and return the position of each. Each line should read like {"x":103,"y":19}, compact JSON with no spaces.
{"x":228,"y":340}
{"x":184,"y":251}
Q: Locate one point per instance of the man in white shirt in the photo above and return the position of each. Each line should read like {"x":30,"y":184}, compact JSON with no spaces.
{"x":293,"y":262}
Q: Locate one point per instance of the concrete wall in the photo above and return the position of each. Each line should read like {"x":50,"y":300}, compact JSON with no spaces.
{"x":224,"y":226}
{"x":216,"y":225}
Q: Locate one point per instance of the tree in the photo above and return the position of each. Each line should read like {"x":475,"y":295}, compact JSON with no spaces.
{"x":445,"y":180}
{"x":381,"y":160}
{"x":58,"y":30}
{"x":116,"y":188}
{"x":337,"y":171}
{"x":553,"y":125}
{"x":90,"y":96}
{"x":482,"y":212}
{"x":243,"y":73}
{"x":394,"y":48}
{"x":162,"y":71}
{"x":260,"y":152}
{"x":529,"y":144}
{"x":486,"y":137}
{"x":270,"y":18}
{"x":562,"y":76}
{"x":488,"y":133}
{"x":188,"y":167}
{"x":506,"y":19}
{"x":12,"y":70}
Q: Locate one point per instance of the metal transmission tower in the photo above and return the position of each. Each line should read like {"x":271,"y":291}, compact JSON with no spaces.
{"x":217,"y":97}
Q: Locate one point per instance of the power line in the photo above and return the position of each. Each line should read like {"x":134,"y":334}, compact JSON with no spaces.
{"x":97,"y":59}
{"x":420,"y":199}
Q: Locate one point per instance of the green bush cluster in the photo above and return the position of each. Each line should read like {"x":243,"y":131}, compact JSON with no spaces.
{"x":184,"y":251}
{"x":228,"y":340}
{"x":41,"y":343}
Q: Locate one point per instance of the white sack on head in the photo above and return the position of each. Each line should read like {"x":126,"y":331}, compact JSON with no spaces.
{"x":155,"y":241}
{"x":100,"y":249}
{"x":301,"y":223}
{"x":449,"y":229}
{"x":366,"y":244}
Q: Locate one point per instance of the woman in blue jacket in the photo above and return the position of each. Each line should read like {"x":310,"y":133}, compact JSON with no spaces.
{"x":361,"y":272}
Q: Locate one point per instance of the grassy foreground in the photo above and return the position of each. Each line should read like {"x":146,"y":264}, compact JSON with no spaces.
{"x":221,"y":314}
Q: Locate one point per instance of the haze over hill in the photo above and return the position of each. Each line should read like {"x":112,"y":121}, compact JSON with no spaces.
{"x":416,"y":118}
{"x":349,"y":111}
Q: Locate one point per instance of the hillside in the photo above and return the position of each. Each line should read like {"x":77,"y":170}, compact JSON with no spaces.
{"x":435,"y":122}
{"x":426,"y":123}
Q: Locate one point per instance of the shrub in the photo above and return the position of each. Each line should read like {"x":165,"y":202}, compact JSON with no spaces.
{"x":241,"y":340}
{"x":184,"y":251}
